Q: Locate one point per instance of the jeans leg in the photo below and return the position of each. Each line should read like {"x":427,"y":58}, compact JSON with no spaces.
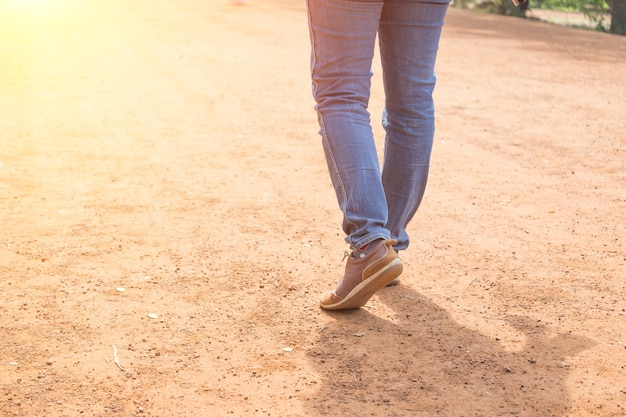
{"x":343,"y":36}
{"x":409,"y":39}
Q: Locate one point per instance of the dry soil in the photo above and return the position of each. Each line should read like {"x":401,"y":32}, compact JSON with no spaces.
{"x":168,"y":224}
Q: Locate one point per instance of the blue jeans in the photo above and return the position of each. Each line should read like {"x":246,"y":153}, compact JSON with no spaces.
{"x":376,"y":203}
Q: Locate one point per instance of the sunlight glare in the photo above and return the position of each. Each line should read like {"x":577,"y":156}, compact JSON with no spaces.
{"x":27,"y":4}
{"x":37,"y":7}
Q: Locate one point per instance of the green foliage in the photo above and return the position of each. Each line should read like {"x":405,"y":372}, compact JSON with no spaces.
{"x":560,"y":5}
{"x":594,"y":10}
{"x":570,"y":5}
{"x":505,"y":7}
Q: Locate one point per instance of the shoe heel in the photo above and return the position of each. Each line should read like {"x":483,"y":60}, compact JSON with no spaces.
{"x":375,"y":284}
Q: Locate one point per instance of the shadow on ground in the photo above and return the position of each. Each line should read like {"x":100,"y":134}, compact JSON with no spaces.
{"x":422,"y":363}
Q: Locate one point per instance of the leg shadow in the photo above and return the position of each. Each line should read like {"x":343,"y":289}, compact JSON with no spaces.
{"x":422,"y":363}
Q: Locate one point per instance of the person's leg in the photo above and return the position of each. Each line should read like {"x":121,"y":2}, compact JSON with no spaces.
{"x":409,"y":38}
{"x":343,"y":36}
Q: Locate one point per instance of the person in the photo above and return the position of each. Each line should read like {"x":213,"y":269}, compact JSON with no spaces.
{"x":377,"y":204}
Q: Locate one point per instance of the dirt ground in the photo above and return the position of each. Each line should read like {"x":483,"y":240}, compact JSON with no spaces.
{"x":168,"y":223}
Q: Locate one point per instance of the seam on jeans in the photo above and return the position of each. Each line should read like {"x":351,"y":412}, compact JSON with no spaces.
{"x":331,"y":153}
{"x":312,"y":37}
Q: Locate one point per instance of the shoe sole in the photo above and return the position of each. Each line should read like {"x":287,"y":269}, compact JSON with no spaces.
{"x":360,"y":294}
{"x":393,"y":283}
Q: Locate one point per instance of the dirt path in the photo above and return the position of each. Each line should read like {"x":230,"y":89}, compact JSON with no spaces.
{"x":170,"y":149}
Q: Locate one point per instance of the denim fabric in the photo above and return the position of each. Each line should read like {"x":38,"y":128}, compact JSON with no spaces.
{"x":376,"y":203}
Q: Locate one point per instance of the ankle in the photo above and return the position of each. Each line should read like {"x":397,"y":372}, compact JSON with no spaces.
{"x":364,"y":250}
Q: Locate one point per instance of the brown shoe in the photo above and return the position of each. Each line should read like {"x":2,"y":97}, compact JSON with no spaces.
{"x":364,"y":276}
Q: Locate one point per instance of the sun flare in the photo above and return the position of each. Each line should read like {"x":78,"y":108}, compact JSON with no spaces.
{"x":35,"y":4}
{"x":36,"y":7}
